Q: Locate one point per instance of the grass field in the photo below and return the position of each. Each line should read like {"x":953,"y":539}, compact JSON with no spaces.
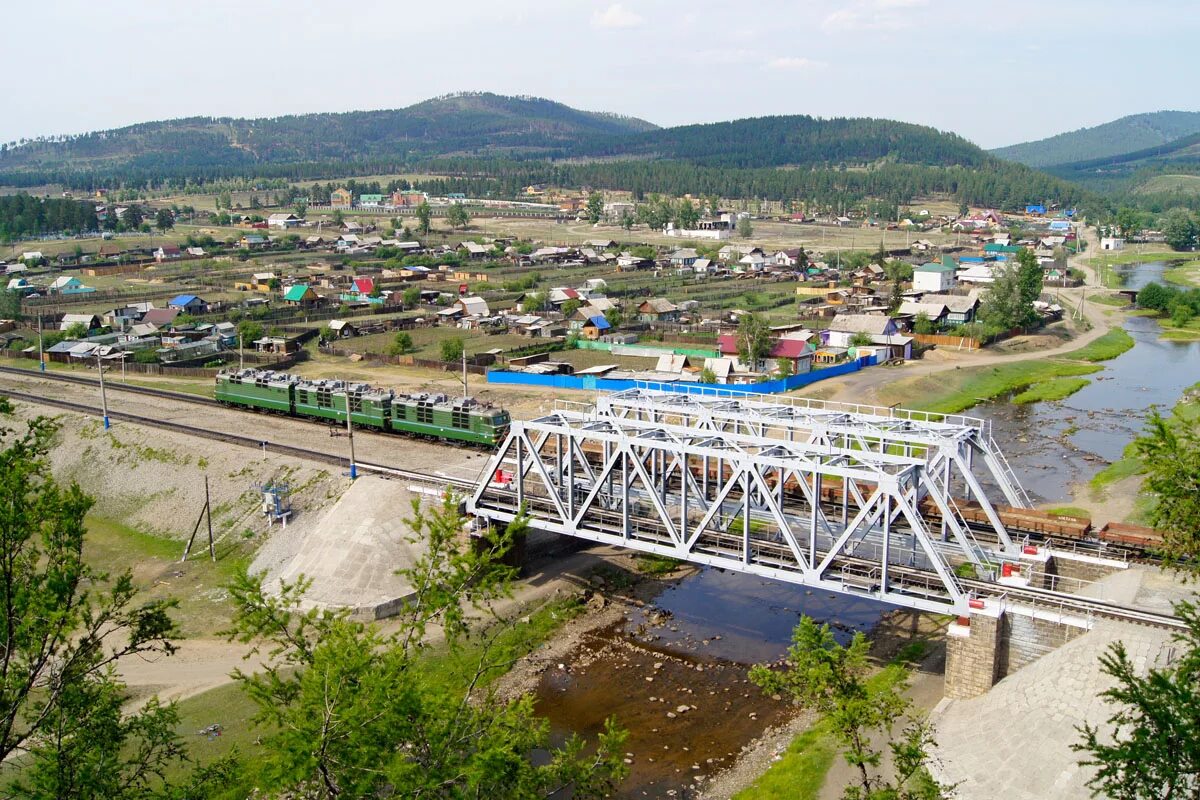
{"x":1187,"y":274}
{"x":957,"y":390}
{"x":1185,"y":412}
{"x":1054,"y":389}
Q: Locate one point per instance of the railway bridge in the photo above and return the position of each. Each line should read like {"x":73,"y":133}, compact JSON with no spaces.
{"x":857,"y":500}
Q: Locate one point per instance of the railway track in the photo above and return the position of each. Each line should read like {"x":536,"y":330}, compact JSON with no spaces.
{"x":111,"y":385}
{"x":245,"y":441}
{"x":1039,"y":598}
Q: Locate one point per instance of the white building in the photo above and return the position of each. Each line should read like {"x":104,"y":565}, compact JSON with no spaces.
{"x":1112,"y":243}
{"x":933,"y":277}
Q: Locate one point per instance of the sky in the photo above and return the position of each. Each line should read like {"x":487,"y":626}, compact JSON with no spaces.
{"x":997,"y":73}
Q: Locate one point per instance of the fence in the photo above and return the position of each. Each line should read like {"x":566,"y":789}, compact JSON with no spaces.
{"x":170,"y":371}
{"x":413,"y":361}
{"x":593,"y":383}
{"x":646,"y":350}
{"x":957,"y":342}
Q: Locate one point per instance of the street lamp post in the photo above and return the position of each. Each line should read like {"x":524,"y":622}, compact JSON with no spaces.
{"x":350,"y":433}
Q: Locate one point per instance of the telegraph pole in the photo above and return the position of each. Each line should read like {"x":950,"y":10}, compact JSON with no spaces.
{"x":464,"y":373}
{"x":41,"y":353}
{"x":103,"y":397}
{"x":350,"y":433}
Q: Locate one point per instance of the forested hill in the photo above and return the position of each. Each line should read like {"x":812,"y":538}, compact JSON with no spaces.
{"x":794,"y":141}
{"x":1119,"y":137}
{"x":461,"y":123}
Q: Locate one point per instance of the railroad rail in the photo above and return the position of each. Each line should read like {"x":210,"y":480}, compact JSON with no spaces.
{"x":246,"y":441}
{"x":1043,"y":599}
{"x":983,"y":532}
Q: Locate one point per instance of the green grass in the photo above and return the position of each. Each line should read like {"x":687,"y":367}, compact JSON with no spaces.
{"x":1055,"y":389}
{"x":954,"y":391}
{"x":1069,"y":511}
{"x":1108,"y":346}
{"x":1109,"y":300}
{"x":1185,"y":412}
{"x":1133,"y":257}
{"x":1187,"y":274}
{"x":653,"y":564}
{"x":800,"y":772}
{"x":198,"y":583}
{"x":1168,"y":184}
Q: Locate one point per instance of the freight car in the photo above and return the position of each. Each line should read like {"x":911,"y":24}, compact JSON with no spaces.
{"x":432,"y":416}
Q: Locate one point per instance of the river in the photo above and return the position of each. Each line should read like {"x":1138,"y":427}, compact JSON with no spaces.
{"x":691,"y":647}
{"x":1055,"y":445}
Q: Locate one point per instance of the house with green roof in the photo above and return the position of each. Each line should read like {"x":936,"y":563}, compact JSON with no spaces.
{"x":300,"y":294}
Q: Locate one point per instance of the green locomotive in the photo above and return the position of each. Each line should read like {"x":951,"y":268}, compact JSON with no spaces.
{"x":433,"y":416}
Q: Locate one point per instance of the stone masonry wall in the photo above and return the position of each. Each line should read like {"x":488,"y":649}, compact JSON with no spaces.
{"x":1080,"y":570}
{"x":1024,"y":640}
{"x":971,"y":659}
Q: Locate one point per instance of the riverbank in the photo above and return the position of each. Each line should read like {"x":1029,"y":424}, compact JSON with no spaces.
{"x":954,"y":391}
{"x":1186,"y":274}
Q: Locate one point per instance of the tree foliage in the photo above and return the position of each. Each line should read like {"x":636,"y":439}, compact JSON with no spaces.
{"x":1180,"y":229}
{"x":452,"y":349}
{"x":1154,"y":752}
{"x":353,"y":715}
{"x":863,"y":710}
{"x":595,"y":207}
{"x":23,"y":216}
{"x":424,"y":218}
{"x":1170,"y":453}
{"x":754,"y":340}
{"x":63,"y":628}
{"x":458,"y":216}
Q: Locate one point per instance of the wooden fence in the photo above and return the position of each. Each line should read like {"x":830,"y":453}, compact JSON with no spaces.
{"x":954,"y":342}
{"x":476,"y":368}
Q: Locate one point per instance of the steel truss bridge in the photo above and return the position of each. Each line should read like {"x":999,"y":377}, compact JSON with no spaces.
{"x":738,"y":483}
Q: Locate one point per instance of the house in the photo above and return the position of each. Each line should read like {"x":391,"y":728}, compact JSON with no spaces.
{"x":752,"y":262}
{"x":788,"y":258}
{"x":188,"y":304}
{"x":407,"y":198}
{"x":90,"y":321}
{"x":315,"y":241}
{"x":684,"y":257}
{"x":794,"y":347}
{"x":196,"y":252}
{"x":341,"y":198}
{"x":592,"y":285}
{"x":1035,"y":210}
{"x":19,"y":285}
{"x":934,"y":277}
{"x":627,"y":262}
{"x":283,"y":221}
{"x":342,"y":329}
{"x":363,"y":286}
{"x":936,"y":312}
{"x":347,"y":241}
{"x":475,"y":249}
{"x":300,"y":294}
{"x":980,"y":272}
{"x":1112,"y":243}
{"x":560,"y":296}
{"x":160,"y":317}
{"x":843,"y":327}
{"x":960,"y":309}
{"x":921,"y":246}
{"x":253,"y":242}
{"x":658,"y":309}
{"x":595,"y":327}
{"x":472,"y":306}
{"x":370,"y":201}
{"x":66,"y":284}
{"x":166,"y":252}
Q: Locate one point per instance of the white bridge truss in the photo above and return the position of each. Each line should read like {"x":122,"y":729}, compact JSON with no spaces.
{"x":739,"y":500}
{"x":953,"y":446}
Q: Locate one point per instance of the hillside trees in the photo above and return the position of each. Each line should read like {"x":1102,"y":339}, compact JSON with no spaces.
{"x":22,"y":216}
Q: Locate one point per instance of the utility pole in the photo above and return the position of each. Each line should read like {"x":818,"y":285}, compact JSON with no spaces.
{"x":41,"y":353}
{"x":464,"y":359}
{"x":241,"y":352}
{"x":350,"y":433}
{"x":103,"y":397}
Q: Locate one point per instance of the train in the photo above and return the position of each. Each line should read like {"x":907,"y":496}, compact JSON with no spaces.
{"x":434,"y":416}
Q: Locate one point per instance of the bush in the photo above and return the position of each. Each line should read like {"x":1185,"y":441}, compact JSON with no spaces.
{"x":452,"y":349}
{"x":147,"y":356}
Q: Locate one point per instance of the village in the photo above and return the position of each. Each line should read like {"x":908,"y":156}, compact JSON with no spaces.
{"x":672,"y":304}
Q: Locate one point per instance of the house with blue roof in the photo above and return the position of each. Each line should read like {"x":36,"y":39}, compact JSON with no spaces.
{"x":1035,"y":209}
{"x":188,"y":304}
{"x":595,"y":327}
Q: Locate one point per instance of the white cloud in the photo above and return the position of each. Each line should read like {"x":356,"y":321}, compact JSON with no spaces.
{"x":873,"y":15}
{"x":616,"y":16}
{"x":795,"y":64}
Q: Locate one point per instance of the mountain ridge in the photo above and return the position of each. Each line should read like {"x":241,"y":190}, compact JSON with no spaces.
{"x":1128,"y":134}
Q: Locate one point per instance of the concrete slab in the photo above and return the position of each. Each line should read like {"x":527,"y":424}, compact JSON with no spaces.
{"x":351,"y":555}
{"x":1015,"y":741}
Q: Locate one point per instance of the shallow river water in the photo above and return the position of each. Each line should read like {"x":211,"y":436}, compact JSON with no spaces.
{"x":674,"y":673}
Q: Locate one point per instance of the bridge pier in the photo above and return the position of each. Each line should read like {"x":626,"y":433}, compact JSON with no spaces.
{"x":998,"y":640}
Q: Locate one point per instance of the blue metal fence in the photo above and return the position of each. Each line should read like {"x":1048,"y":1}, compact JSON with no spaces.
{"x":592,"y":383}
